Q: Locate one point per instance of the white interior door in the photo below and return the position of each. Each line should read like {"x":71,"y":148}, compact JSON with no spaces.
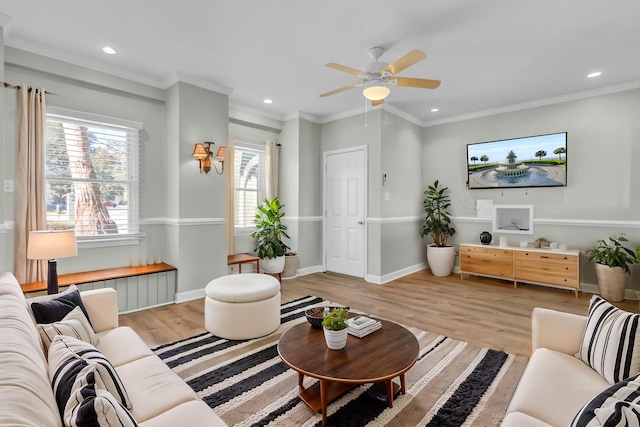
{"x":345,"y":178}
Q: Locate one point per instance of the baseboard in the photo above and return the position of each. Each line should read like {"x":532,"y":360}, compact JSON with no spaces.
{"x":381,"y":280}
{"x":592,"y":288}
{"x":310,"y":270}
{"x":189,"y":295}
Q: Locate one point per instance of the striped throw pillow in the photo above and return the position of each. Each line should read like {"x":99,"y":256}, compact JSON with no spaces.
{"x":619,"y":405}
{"x":92,"y":406}
{"x":610,"y":343}
{"x":75,"y":324}
{"x":72,"y":361}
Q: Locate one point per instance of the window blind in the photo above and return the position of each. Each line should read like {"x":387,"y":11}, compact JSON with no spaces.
{"x":248,"y":181}
{"x":92,"y":170}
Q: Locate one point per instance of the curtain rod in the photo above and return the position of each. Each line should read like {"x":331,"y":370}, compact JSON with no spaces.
{"x":9,"y":85}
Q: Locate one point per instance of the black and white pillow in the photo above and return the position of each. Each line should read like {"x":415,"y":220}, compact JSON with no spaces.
{"x":619,"y":405}
{"x":74,"y":324}
{"x":611,"y":341}
{"x":55,"y":309}
{"x":90,"y":405}
{"x":74,"y":363}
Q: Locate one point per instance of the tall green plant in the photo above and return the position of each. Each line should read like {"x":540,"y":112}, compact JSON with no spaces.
{"x":270,"y":230}
{"x":614,"y":254}
{"x":437,"y":223}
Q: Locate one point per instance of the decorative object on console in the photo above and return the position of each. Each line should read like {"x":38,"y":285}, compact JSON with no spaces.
{"x":269,"y":233}
{"x":203,"y":152}
{"x":437,"y":224}
{"x":542,"y":243}
{"x":50,"y":245}
{"x":485,"y":238}
{"x":612,"y":263}
{"x":335,"y":328}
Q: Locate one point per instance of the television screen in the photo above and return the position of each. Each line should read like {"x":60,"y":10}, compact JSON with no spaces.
{"x":532,"y":161}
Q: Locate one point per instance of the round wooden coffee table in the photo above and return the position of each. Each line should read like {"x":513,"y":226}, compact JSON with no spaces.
{"x":380,"y":356}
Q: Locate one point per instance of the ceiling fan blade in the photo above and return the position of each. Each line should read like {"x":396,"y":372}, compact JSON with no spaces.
{"x":378,"y":102}
{"x":406,"y":61}
{"x":413,"y":82}
{"x":345,"y":69}
{"x":342,"y":89}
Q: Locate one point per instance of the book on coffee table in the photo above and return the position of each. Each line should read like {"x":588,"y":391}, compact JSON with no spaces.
{"x":362,"y":326}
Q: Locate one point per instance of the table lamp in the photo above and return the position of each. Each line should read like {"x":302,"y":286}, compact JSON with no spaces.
{"x":50,"y":245}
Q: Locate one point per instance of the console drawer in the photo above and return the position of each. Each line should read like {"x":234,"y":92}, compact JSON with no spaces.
{"x":487,"y":261}
{"x":543,"y":267}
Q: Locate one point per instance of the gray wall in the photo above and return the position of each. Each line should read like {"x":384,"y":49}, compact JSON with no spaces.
{"x":603,"y":153}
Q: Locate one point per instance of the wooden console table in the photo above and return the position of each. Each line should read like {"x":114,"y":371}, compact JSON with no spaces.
{"x":243,"y":259}
{"x":98,"y":275}
{"x":538,"y":266}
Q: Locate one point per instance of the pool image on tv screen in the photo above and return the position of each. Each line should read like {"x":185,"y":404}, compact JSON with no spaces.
{"x":532,"y":161}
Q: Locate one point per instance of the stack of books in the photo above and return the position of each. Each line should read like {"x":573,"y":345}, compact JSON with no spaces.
{"x":361,"y":326}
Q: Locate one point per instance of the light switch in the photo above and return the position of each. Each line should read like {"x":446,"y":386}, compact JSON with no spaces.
{"x":387,"y":195}
{"x":8,"y":186}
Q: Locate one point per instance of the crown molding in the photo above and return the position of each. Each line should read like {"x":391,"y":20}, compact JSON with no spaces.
{"x":195,"y":81}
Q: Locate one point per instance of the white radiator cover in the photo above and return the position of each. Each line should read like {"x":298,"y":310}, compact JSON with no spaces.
{"x":140,"y":292}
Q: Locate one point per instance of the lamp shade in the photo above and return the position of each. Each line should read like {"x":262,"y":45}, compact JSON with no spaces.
{"x":376,"y":93}
{"x":52,"y":244}
{"x":199,"y":152}
{"x":222,"y":153}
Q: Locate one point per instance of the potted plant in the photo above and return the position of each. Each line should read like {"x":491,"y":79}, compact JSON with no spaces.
{"x":612,"y":265}
{"x":335,"y":328}
{"x":438,"y":225}
{"x":269,"y":233}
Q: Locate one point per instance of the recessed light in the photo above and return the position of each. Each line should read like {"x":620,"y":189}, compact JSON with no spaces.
{"x":109,"y":50}
{"x":267,"y":101}
{"x":592,"y":75}
{"x":434,"y":110}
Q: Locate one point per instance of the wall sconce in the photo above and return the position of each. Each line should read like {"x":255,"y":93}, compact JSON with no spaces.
{"x":202,"y":152}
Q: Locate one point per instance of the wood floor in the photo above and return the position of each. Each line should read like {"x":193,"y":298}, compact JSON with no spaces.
{"x":485,"y":312}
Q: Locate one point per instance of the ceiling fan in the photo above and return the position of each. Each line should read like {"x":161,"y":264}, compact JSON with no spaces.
{"x":379,"y":76}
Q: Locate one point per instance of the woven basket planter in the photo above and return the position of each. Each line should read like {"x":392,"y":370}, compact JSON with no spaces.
{"x":612,"y":281}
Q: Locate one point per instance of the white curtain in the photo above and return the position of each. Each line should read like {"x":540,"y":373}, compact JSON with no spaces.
{"x":230,"y":201}
{"x":271,"y":170}
{"x":29,"y":195}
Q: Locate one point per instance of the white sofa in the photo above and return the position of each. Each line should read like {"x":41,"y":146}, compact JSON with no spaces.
{"x":555,"y":384}
{"x":158,"y":396}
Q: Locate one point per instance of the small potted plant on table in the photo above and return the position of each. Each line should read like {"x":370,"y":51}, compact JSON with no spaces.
{"x":612,"y":265}
{"x":335,"y":328}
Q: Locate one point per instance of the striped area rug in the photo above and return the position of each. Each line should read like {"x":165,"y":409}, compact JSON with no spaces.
{"x":453,"y":383}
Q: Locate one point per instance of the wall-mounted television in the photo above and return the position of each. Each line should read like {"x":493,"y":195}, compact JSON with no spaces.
{"x":532,"y":161}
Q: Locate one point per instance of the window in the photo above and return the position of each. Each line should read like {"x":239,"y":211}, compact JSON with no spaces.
{"x":91,"y":174}
{"x":248,"y":178}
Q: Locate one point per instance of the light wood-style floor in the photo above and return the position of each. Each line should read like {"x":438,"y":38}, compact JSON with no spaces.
{"x":485,"y":312}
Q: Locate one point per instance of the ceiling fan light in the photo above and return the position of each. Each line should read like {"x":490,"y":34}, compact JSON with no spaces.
{"x":376,"y":93}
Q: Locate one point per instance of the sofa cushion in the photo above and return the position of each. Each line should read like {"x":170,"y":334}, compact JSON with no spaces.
{"x":92,"y":406}
{"x":74,"y":324}
{"x":197,"y":412}
{"x":26,"y":398}
{"x":619,"y":405}
{"x":112,"y":342}
{"x":610,"y":343}
{"x":54,"y":310}
{"x":153,"y":388}
{"x":555,"y":386}
{"x":73,"y":363}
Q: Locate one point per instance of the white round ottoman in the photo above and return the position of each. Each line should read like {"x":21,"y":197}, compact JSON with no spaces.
{"x":242,"y":306}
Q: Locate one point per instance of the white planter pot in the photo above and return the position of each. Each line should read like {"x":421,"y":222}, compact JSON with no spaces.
{"x":273,"y":265}
{"x":336,"y":340}
{"x":441,"y":259}
{"x":611,"y":281}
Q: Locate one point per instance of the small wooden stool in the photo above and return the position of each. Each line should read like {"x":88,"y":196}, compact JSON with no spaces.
{"x":243,"y":259}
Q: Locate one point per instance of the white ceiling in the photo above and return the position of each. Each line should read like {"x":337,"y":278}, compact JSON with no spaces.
{"x":490,"y":55}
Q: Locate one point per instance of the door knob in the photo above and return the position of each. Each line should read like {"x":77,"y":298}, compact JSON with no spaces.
{"x":360,"y":222}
